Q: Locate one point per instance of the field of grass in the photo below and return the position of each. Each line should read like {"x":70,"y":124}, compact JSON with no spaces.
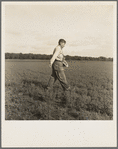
{"x":25,"y":97}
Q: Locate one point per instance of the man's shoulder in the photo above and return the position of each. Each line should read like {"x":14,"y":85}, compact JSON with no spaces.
{"x":57,"y":47}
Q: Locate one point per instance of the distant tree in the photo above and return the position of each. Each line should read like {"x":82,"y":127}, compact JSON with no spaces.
{"x":47,"y":57}
{"x":20,"y":56}
{"x":101,"y":58}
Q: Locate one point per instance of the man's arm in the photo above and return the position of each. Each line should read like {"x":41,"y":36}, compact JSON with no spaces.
{"x":55,"y":55}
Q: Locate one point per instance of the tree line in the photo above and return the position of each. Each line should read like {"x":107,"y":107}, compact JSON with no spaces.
{"x":47,"y":57}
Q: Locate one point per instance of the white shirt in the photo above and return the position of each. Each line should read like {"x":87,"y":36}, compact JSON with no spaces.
{"x":57,"y":54}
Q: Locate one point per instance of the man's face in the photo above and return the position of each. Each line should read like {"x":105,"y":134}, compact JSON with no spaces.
{"x":62,"y":44}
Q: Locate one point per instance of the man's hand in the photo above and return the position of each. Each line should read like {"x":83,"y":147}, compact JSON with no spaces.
{"x":65,"y":63}
{"x":50,"y":64}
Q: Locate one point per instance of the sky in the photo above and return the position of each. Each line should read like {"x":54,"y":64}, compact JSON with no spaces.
{"x":36,"y":28}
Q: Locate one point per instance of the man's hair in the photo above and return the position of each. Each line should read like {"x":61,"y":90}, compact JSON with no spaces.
{"x":61,"y":40}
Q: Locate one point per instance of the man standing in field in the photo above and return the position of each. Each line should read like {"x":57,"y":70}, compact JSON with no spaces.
{"x":57,"y":62}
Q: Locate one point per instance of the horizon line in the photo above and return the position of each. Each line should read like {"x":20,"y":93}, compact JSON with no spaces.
{"x":52,"y":54}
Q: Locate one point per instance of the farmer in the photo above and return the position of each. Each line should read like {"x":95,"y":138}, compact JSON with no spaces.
{"x":57,"y":62}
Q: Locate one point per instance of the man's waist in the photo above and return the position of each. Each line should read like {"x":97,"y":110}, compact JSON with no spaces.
{"x":58,"y":60}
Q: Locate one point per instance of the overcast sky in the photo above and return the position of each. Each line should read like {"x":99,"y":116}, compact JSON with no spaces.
{"x":88,"y":29}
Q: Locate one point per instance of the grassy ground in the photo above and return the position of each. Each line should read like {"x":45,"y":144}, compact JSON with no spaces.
{"x":26,"y":99}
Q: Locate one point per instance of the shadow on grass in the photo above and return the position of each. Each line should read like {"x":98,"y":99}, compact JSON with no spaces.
{"x":61,"y":102}
{"x":36,"y":83}
{"x":73,"y":113}
{"x":37,"y":115}
{"x":37,"y":97}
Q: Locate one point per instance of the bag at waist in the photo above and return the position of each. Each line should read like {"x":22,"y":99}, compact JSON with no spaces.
{"x":58,"y":65}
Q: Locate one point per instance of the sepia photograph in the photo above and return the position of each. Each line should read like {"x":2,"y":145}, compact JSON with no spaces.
{"x":59,"y":61}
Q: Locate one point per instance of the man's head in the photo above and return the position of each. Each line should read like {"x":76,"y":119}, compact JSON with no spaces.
{"x":62,"y":43}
